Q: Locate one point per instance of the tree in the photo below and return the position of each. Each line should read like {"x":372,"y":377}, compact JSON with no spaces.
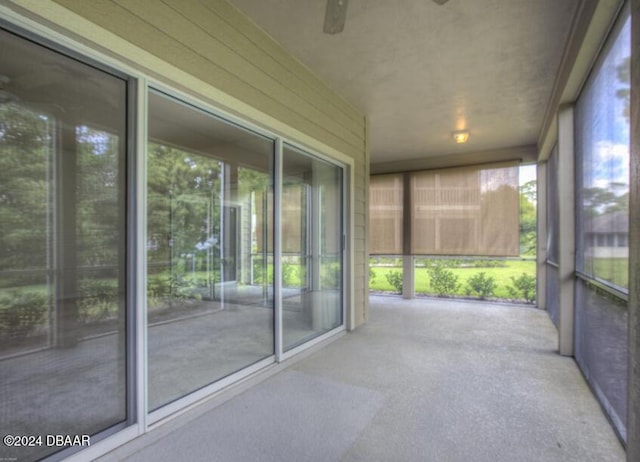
{"x":183,"y":203}
{"x":624,"y":93}
{"x":528,"y":219}
{"x":24,"y":158}
{"x":598,"y":201}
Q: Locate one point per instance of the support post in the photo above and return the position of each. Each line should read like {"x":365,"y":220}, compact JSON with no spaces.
{"x":408,"y":286}
{"x":566,"y":207}
{"x":408,"y":290}
{"x":541,"y":236}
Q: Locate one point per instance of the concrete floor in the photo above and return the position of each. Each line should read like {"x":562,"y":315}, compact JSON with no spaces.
{"x":423,"y":380}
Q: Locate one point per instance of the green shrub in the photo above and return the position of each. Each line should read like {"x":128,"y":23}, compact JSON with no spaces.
{"x":20,"y":314}
{"x":174,"y":286}
{"x":442,"y":280}
{"x":158,"y":287}
{"x":524,"y":287}
{"x":394,"y":278}
{"x":259,"y":271}
{"x":372,"y":275}
{"x":489,"y":264}
{"x":181,"y":286}
{"x":289,"y":278}
{"x":330,"y":275}
{"x":101,"y":290}
{"x":481,"y":285}
{"x":99,"y":300}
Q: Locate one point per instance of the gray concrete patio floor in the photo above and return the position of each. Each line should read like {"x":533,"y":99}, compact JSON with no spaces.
{"x":423,"y":380}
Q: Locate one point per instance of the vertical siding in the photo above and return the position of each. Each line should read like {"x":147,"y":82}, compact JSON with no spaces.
{"x":215,"y":43}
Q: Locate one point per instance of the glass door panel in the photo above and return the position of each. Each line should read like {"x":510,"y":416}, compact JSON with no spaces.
{"x":207,"y":316}
{"x":63,"y":314}
{"x":312,"y":261}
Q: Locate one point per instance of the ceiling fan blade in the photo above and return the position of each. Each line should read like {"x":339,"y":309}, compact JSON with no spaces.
{"x":440,"y":2}
{"x":335,"y":16}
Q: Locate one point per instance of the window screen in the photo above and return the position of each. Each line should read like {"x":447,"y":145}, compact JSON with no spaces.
{"x":602,"y":158}
{"x":602,"y":223}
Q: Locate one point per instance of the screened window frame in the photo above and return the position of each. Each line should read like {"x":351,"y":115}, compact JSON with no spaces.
{"x":589,"y":286}
{"x":616,"y":291}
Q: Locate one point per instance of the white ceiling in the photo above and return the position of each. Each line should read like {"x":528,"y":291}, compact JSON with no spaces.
{"x":419,"y":71}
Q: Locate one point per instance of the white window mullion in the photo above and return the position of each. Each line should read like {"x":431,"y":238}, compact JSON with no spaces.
{"x":141,"y":256}
{"x":277,"y":248}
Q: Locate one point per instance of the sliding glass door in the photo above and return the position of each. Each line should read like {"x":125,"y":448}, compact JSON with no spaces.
{"x":63,"y":241}
{"x":312,"y":245}
{"x":208,"y":205}
{"x":97,"y":237}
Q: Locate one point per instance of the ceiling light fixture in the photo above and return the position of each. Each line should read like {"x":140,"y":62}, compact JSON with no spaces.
{"x":461,"y":136}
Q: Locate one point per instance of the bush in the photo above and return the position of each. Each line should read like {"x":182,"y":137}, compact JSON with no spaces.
{"x":102,"y":290}
{"x":20,"y":314}
{"x":289,"y":276}
{"x":442,"y":280}
{"x":481,"y":285}
{"x":524,"y":287}
{"x":99,"y":300}
{"x":372,"y":276}
{"x":394,"y":278}
{"x":181,"y":286}
{"x":330,"y":275}
{"x":489,"y":264}
{"x":259,"y":267}
{"x":177,"y":286}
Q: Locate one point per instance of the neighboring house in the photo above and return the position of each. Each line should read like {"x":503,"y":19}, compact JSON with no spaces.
{"x":607,"y":235}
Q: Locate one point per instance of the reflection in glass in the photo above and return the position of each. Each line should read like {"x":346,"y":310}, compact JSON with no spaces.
{"x":311,"y":247}
{"x":209,"y":294}
{"x":62,"y":246}
{"x":602,"y":224}
{"x":602,"y":142}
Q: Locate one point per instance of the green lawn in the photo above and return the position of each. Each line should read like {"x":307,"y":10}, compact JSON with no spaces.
{"x":614,"y":270}
{"x":502,"y":277}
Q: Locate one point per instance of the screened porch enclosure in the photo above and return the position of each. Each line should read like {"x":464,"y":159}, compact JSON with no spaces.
{"x":451,"y":232}
{"x":197,"y":198}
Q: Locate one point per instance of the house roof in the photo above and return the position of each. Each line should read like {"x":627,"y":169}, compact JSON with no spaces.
{"x":614,"y":222}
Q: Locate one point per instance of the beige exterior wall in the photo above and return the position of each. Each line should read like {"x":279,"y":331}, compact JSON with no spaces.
{"x":211,"y":51}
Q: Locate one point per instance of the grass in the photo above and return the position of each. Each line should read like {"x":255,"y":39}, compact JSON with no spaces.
{"x":614,"y":270}
{"x":502,"y":277}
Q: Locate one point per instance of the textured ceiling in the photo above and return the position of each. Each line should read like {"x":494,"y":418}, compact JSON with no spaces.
{"x":420,"y":71}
